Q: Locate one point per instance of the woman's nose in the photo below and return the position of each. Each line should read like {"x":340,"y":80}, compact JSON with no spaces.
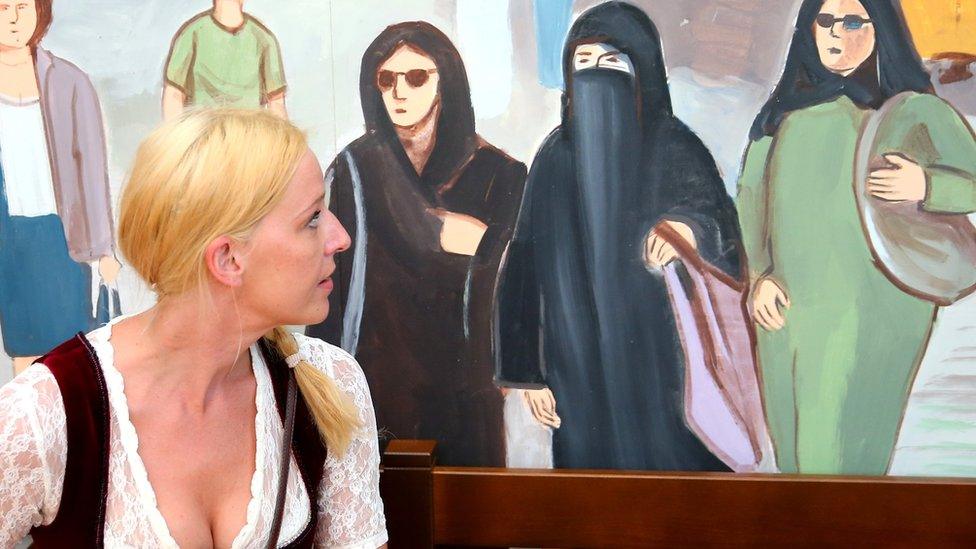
{"x":397,"y":86}
{"x":338,"y":239}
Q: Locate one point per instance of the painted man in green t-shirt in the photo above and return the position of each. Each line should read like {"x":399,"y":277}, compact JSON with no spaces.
{"x":224,"y":57}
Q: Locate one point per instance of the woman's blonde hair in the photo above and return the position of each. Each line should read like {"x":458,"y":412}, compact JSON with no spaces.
{"x":211,"y":173}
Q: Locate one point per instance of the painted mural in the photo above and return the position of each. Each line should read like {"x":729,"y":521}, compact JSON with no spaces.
{"x":224,"y":57}
{"x":707,"y":235}
{"x":56,"y":228}
{"x":430,"y":205}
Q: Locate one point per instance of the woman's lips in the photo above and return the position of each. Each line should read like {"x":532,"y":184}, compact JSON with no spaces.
{"x":835,"y":51}
{"x":327,"y":284}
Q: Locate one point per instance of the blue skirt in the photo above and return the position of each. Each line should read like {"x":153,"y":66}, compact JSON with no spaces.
{"x":45,"y":296}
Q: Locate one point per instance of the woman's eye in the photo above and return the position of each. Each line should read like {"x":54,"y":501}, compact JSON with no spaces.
{"x":612,"y":59}
{"x":314,"y":221}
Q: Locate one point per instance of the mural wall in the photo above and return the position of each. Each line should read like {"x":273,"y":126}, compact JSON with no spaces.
{"x":720,"y":235}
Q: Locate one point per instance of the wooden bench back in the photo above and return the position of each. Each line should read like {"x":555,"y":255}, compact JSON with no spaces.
{"x":429,"y":506}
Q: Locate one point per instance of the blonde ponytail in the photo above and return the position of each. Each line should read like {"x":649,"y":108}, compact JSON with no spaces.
{"x":335,"y":416}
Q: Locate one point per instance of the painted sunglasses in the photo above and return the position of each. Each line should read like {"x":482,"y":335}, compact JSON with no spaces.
{"x":851,"y":22}
{"x":415,"y":77}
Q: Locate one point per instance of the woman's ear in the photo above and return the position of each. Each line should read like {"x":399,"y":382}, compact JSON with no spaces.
{"x":223,"y":257}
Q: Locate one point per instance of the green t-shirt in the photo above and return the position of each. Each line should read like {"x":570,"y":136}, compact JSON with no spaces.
{"x":214,"y":65}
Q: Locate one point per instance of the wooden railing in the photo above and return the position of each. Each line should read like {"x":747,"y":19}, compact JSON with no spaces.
{"x":427,"y":506}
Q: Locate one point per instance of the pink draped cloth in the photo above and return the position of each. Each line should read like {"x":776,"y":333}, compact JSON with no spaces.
{"x":723,"y":402}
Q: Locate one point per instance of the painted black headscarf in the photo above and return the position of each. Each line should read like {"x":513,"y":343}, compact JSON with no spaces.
{"x":894,"y":67}
{"x":628,"y":29}
{"x":456,"y":139}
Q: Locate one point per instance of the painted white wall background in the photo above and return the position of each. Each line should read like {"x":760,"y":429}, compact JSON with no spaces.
{"x":122,"y":45}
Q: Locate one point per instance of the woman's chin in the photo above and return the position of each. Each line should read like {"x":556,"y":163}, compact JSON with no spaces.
{"x":309,"y":315}
{"x":318,"y":316}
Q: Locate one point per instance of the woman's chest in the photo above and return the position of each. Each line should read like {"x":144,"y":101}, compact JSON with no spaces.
{"x":18,"y":81}
{"x":216,"y":490}
{"x":812,"y":162}
{"x":470,"y":189}
{"x":200,"y":471}
{"x":204,"y":479}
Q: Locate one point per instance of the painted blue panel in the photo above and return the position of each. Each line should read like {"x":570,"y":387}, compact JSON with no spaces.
{"x":552,"y":19}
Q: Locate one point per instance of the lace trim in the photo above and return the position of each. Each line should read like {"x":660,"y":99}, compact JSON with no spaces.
{"x":369,"y":543}
{"x":101,"y":341}
{"x":260,"y":458}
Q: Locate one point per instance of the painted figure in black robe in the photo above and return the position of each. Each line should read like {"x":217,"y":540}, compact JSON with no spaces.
{"x":584,"y":320}
{"x":430,"y":207}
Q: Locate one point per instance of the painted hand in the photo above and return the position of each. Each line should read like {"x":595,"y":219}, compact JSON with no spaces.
{"x":543,"y":406}
{"x":108,"y":269}
{"x":767,"y":298}
{"x":461,"y":234}
{"x":658,"y":252}
{"x":904,"y":181}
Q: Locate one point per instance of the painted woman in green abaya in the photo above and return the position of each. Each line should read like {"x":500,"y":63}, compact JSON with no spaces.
{"x":839,"y":344}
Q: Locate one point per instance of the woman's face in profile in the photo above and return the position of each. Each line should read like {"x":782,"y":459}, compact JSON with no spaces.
{"x":845,"y":35}
{"x":408,"y":81}
{"x":290,"y":258}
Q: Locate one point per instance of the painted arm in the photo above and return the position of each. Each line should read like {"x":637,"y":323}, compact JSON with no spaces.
{"x":273,"y":83}
{"x":91,"y":155}
{"x":504,"y":199}
{"x":952,"y":175}
{"x":931,"y":155}
{"x":276,"y":104}
{"x":697,"y":204}
{"x":177,"y":77}
{"x":519,"y":304}
{"x":519,"y":323}
{"x":518,"y":307}
{"x":174,"y":101}
{"x":407,"y":222}
{"x":768,"y":297}
{"x":752,"y":201}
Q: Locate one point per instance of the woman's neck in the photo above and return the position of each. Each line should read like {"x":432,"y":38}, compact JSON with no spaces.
{"x":418,"y":140}
{"x":16,"y":56}
{"x":188,"y":349}
{"x":229,"y":13}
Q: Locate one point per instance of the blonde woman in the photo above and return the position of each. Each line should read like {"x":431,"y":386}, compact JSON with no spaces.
{"x":164,"y":429}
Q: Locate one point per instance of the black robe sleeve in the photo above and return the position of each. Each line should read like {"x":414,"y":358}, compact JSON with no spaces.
{"x":402,"y":215}
{"x":518,"y":321}
{"x":502,"y":203}
{"x":692,"y":192}
{"x":342,"y":205}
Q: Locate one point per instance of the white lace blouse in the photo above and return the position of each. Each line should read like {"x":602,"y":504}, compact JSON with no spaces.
{"x":33,"y":450}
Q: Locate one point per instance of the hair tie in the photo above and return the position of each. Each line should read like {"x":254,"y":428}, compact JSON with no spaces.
{"x":293,"y":360}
